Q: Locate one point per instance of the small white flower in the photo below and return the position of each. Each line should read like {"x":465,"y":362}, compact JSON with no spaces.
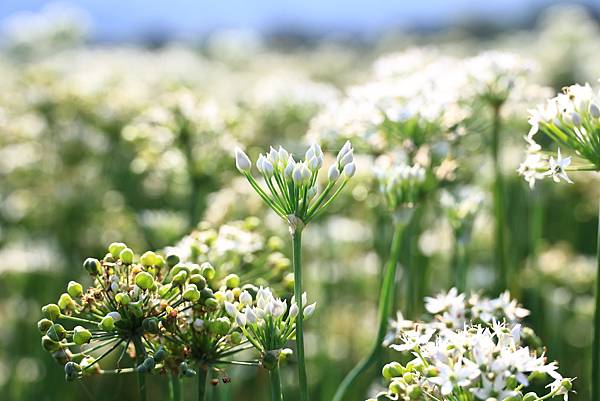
{"x":245,"y":298}
{"x":309,"y":310}
{"x":333,"y":173}
{"x":242,"y":161}
{"x":230,"y":309}
{"x":558,"y":167}
{"x":349,"y":169}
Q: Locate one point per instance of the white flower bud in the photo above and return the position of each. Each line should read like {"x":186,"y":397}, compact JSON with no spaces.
{"x":594,"y":110}
{"x":293,"y":311}
{"x":198,"y":324}
{"x":242,"y":161}
{"x":283,"y":154}
{"x":289,"y":169}
{"x":310,"y":153}
{"x":576,"y":119}
{"x":230,"y":309}
{"x":314,"y":164}
{"x":297,"y":173}
{"x":333,"y":173}
{"x":309,"y":310}
{"x":116,"y":316}
{"x":240,"y":319}
{"x":245,"y":298}
{"x":349,"y":170}
{"x":345,"y":149}
{"x":347,"y":159}
{"x":250,"y":315}
{"x":273,"y":156}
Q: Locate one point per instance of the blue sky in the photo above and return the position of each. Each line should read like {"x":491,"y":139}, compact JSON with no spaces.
{"x":119,"y":19}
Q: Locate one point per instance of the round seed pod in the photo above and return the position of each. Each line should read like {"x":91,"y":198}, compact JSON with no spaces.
{"x":74,"y":289}
{"x":123,"y":298}
{"x":115,"y":249}
{"x":126,"y":256}
{"x":270,"y":359}
{"x":92,"y":266}
{"x":220,"y":326}
{"x":172,"y":260}
{"x":144,"y":280}
{"x":107,"y":323}
{"x":392,"y":369}
{"x":180,"y":277}
{"x":65,"y":301}
{"x":150,"y":325}
{"x":232,"y":281}
{"x":211,"y":303}
{"x":49,"y":344}
{"x":198,"y":280}
{"x":51,"y":311}
{"x":44,"y":325}
{"x":81,"y":335}
{"x":149,"y":258}
{"x":208,"y":271}
{"x":160,"y":354}
{"x":56,"y":332}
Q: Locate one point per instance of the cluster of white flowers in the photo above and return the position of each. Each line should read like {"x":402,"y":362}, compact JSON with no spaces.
{"x":461,"y":206}
{"x":470,"y":363}
{"x":402,"y":185}
{"x":572,"y":121}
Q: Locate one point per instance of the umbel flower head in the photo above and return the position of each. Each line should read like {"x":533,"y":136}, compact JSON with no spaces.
{"x":402,"y":185}
{"x":292,"y":190}
{"x":572,"y":121}
{"x":461,"y":207}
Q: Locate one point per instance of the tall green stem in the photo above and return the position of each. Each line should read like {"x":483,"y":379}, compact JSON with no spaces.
{"x":140,"y":355}
{"x":386,"y":303}
{"x":596,"y":345}
{"x":275,"y":383}
{"x":202,"y":377}
{"x":459,"y":258}
{"x":499,"y":208}
{"x":297,"y":260}
{"x":175,"y":387}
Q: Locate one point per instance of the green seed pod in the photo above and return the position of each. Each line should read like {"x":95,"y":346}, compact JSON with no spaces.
{"x":160,"y":354}
{"x":195,"y":269}
{"x":392,"y":369}
{"x":198,"y":280}
{"x":62,"y":356}
{"x":180,"y":277}
{"x":149,"y":363}
{"x":236,"y":337}
{"x":208,"y":271}
{"x":285,"y":355}
{"x":190,"y":373}
{"x":144,"y":280}
{"x":93,"y":266}
{"x":397,"y":387}
{"x":141,"y":368}
{"x":56,"y":332}
{"x":65,"y":301}
{"x":270,"y":359}
{"x":115,"y":249}
{"x":107,"y":323}
{"x":172,"y":260}
{"x":211,"y":303}
{"x":191,"y":293}
{"x":74,"y":289}
{"x":123,"y":298}
{"x":531,"y":396}
{"x":566,"y":384}
{"x":44,"y":325}
{"x":49,"y":344}
{"x":163,"y":290}
{"x":51,"y":311}
{"x":232,"y":281}
{"x":81,"y":335}
{"x":108,"y":258}
{"x":207,"y":293}
{"x":150,"y":325}
{"x":414,"y":392}
{"x":72,"y":371}
{"x":179,"y":267}
{"x":220,"y":326}
{"x":160,"y":261}
{"x":149,"y":259}
{"x":408,"y":377}
{"x":136,"y":309}
{"x":126,"y":256}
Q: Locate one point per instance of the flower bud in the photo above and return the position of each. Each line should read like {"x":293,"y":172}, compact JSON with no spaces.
{"x":220,"y":326}
{"x":191,"y":293}
{"x":236,"y":337}
{"x":531,"y":396}
{"x":115,"y":249}
{"x":160,"y":354}
{"x":49,"y":344}
{"x":345,"y":149}
{"x":594,"y":110}
{"x":56,"y":332}
{"x":44,"y":325}
{"x":309,"y":310}
{"x":198,"y":280}
{"x":242,"y":161}
{"x":576,"y":119}
{"x":230,"y":309}
{"x":333,"y":173}
{"x":74,"y":289}
{"x":126,"y":256}
{"x":349,"y":170}
{"x":122,"y":298}
{"x":92,"y":266}
{"x":144,"y":280}
{"x":293,"y":311}
{"x":347,"y":159}
{"x":107,"y":323}
{"x":232,"y":280}
{"x":136,"y":308}
{"x":149,"y":258}
{"x":150,"y":325}
{"x":198,"y":324}
{"x":289,"y":168}
{"x":172,"y":259}
{"x":392,"y":369}
{"x":51,"y":311}
{"x":81,"y":335}
{"x":208,"y":271}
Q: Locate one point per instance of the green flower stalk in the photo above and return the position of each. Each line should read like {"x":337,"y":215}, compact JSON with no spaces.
{"x":570,"y":120}
{"x":293,"y":194}
{"x":402,"y":187}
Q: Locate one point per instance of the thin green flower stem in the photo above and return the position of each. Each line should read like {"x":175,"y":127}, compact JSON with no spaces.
{"x":459,"y":258}
{"x":322,"y":208}
{"x":239,"y":363}
{"x":596,"y":344}
{"x":264,"y":196}
{"x":275,"y":382}
{"x":77,"y":319}
{"x":321,"y":198}
{"x":297,"y":263}
{"x":386,"y":303}
{"x":140,"y":355}
{"x":202,"y":378}
{"x":499,"y":207}
{"x":101,"y":357}
{"x":175,"y":387}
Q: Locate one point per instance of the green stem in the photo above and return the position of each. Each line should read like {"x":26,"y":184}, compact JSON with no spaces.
{"x":175,"y":385}
{"x":297,"y":260}
{"x":140,"y":355}
{"x":275,"y":382}
{"x":386,"y":303}
{"x":202,"y":377}
{"x":460,"y":263}
{"x":596,"y":344}
{"x":499,"y":207}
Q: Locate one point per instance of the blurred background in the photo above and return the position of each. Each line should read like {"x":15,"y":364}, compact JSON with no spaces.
{"x":118,"y":121}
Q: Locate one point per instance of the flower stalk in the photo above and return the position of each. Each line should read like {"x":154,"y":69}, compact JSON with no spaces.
{"x":596,"y":343}
{"x":275,"y":384}
{"x":202,"y":378}
{"x":297,"y":264}
{"x":499,"y":202}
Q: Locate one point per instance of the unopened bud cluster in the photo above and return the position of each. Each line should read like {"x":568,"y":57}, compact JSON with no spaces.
{"x":402,"y":185}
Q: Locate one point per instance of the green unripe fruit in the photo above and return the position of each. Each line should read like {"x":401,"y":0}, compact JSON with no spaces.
{"x":149,"y":363}
{"x":180,"y":278}
{"x":136,"y":309}
{"x":232,"y":281}
{"x":44,"y":325}
{"x":108,"y":258}
{"x":49,"y":344}
{"x":396,"y":387}
{"x":236,"y":337}
{"x":408,"y":377}
{"x":270,"y":360}
{"x":107,"y":323}
{"x":115,"y":249}
{"x":92,"y":266}
{"x":72,"y":371}
{"x":179,"y":267}
{"x":56,"y":332}
{"x":207,"y":293}
{"x":414,"y":392}
{"x":566,"y":384}
{"x":172,"y":260}
{"x":51,"y":311}
{"x":163,"y":290}
{"x":189,"y":373}
{"x":531,"y":396}
{"x":81,"y":335}
{"x":74,"y":289}
{"x":198,"y":280}
{"x":191,"y":293}
{"x":141,"y":368}
{"x":61,"y":356}
{"x":144,"y":280}
{"x":208,"y":271}
{"x":160,"y":354}
{"x":149,"y":259}
{"x":516,"y":397}
{"x":211,"y":303}
{"x":150,"y":325}
{"x":160,"y":261}
{"x":392,"y":369}
{"x":195,"y":269}
{"x":221,"y":326}
{"x":65,"y":301}
{"x":126,"y":256}
{"x":123,"y":298}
